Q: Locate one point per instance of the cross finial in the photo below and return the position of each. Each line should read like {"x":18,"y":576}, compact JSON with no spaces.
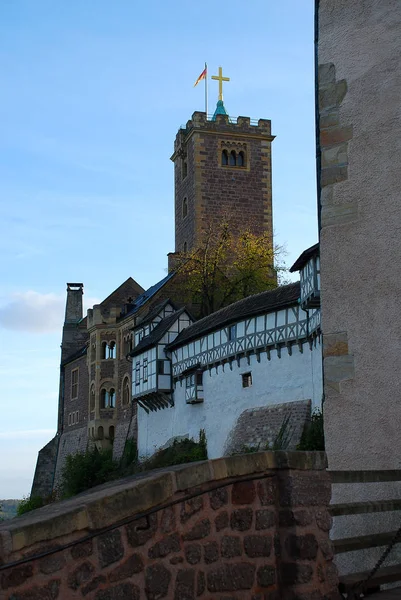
{"x":220,"y":79}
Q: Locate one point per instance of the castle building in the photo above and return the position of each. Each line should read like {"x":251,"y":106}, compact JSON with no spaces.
{"x":222,"y":169}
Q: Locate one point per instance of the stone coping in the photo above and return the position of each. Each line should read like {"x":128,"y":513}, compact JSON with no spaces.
{"x":114,"y":501}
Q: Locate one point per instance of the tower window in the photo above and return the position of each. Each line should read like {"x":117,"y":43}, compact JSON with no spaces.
{"x":184,"y":168}
{"x":224,"y":158}
{"x":185,"y":247}
{"x":233,"y":158}
{"x":184,"y":207}
{"x":74,"y":384}
{"x":240,"y":159}
{"x":112,"y":398}
{"x":145,"y":369}
{"x":92,"y":398}
{"x":126,"y":392}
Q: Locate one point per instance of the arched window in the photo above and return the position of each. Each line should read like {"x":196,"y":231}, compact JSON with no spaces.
{"x":224,"y":158}
{"x":92,"y":398}
{"x":126,"y":392}
{"x":111,"y":432}
{"x":233,"y":158}
{"x":104,"y":399}
{"x":100,"y":433}
{"x":104,"y":350}
{"x":241,"y":159}
{"x":184,"y":207}
{"x":185,"y":247}
{"x":184,"y":168}
{"x":112,"y":398}
{"x":112,"y":350}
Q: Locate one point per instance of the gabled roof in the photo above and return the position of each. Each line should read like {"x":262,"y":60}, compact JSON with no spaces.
{"x":280,"y":297}
{"x":147,"y":295}
{"x":157,"y":333}
{"x":304,"y":257}
{"x":127,"y":288}
{"x":152,"y":314}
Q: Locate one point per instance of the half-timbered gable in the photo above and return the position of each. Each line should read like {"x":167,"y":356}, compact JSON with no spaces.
{"x":151,"y":367}
{"x":260,"y":352}
{"x":308,"y":265}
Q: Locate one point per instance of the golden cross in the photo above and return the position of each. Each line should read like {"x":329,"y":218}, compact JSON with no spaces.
{"x":220,"y":79}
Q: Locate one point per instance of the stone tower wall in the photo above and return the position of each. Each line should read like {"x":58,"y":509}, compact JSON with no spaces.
{"x":242,"y":194}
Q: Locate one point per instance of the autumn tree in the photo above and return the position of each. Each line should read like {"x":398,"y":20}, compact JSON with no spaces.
{"x":228,"y":266}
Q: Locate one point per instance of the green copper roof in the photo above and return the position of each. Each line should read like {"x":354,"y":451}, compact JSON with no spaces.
{"x":220,"y":110}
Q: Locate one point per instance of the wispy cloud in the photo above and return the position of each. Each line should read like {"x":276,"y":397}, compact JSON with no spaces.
{"x":34,"y":312}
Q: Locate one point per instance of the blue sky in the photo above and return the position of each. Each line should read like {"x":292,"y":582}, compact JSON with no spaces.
{"x":92,"y":94}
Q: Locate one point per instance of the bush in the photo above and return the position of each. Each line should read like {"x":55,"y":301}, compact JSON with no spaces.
{"x":29,"y":503}
{"x":313,"y":435}
{"x":84,"y":470}
{"x":179,"y":452}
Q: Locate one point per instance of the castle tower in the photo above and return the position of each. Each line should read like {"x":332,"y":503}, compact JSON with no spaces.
{"x":222,"y":168}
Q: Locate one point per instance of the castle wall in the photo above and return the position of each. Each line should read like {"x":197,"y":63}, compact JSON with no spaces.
{"x":287,"y":379}
{"x":76,"y":408}
{"x":71,"y":442}
{"x":359,"y":60}
{"x":243,"y":527}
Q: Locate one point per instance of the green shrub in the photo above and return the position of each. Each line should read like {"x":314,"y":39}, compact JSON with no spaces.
{"x":84,"y":470}
{"x":313,"y":435}
{"x":179,"y":452}
{"x":29,"y":503}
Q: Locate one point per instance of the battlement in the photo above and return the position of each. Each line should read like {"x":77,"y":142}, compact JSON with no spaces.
{"x":223,"y":124}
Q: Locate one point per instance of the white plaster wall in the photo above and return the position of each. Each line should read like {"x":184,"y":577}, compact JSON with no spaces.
{"x":285,"y":379}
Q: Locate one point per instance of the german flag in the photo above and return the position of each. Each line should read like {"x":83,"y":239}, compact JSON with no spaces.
{"x":203,"y":75}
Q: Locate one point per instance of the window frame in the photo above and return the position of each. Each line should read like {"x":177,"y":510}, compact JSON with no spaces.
{"x":145,"y":370}
{"x":247,"y":379}
{"x":74,"y":384}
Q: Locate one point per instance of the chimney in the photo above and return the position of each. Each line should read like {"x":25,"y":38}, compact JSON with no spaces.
{"x":73,"y":308}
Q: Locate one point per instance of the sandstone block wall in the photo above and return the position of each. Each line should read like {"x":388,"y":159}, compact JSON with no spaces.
{"x":247,"y":527}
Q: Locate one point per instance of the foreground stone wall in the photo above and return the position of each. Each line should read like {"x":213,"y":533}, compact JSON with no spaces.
{"x":252,"y":526}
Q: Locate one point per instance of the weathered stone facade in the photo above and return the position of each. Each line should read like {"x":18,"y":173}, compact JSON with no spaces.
{"x":249,"y":527}
{"x":211,"y":189}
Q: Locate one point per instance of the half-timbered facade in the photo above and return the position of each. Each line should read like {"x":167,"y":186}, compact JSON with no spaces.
{"x":260,"y":352}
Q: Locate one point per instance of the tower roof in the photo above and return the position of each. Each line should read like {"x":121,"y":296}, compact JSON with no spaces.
{"x":220,"y":109}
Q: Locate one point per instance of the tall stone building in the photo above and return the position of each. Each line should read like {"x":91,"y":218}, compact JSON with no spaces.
{"x":222,"y":167}
{"x":359,"y":131}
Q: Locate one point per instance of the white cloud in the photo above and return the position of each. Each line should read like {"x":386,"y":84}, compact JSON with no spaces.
{"x":33,"y":312}
{"x":36,"y":313}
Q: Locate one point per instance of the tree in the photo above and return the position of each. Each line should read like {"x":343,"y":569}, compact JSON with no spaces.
{"x":228,"y":266}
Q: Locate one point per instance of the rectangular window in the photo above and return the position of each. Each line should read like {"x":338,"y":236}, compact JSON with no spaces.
{"x":137,"y":372}
{"x":145,"y":369}
{"x":232,"y":333}
{"x":246,"y":380}
{"x":74,"y":384}
{"x":69,"y":418}
{"x":160,"y":367}
{"x":77,"y":416}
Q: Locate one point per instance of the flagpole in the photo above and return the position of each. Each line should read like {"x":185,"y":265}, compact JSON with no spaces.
{"x":206,"y":89}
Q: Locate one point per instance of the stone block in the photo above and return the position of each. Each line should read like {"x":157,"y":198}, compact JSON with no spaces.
{"x":266,"y":576}
{"x":157,"y":581}
{"x":46,"y":592}
{"x":334,"y":174}
{"x":339,"y":214}
{"x":16,"y":576}
{"x":82,"y":550}
{"x":241,"y":519}
{"x":326,"y":74}
{"x":93,"y":585}
{"x":304,"y":489}
{"x":185,"y":585}
{"x":334,"y":156}
{"x":210,"y":552}
{"x":329,"y":118}
{"x":132,"y":566}
{"x":218,"y":498}
{"x":332,"y":94}
{"x":243,"y":492}
{"x":80,"y":575}
{"x":123,"y":591}
{"x":338,"y":369}
{"x":200,"y":583}
{"x":141,"y":531}
{"x":193,"y":553}
{"x":221,"y":521}
{"x":190,"y":507}
{"x":199,"y":531}
{"x":295,"y":518}
{"x":265,"y":519}
{"x":165,"y":546}
{"x":230,"y":546}
{"x":52,"y":563}
{"x":257,"y":545}
{"x":168,"y":520}
{"x":231,"y":577}
{"x":292,"y":573}
{"x":110,"y":548}
{"x":266,"y":489}
{"x":335,"y":344}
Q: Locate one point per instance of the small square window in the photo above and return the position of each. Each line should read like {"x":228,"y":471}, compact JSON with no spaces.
{"x":246,"y":380}
{"x":145,"y":369}
{"x":232,"y":333}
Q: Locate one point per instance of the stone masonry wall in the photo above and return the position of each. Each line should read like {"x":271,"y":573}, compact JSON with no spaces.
{"x":247,"y":527}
